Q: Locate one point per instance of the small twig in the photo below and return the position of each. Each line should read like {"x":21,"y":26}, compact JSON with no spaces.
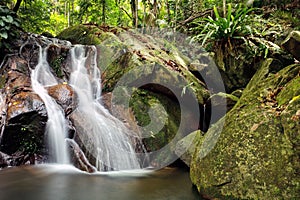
{"x":195,"y":16}
{"x":125,"y":12}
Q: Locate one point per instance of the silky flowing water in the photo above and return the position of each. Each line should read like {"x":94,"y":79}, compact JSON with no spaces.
{"x":56,"y":129}
{"x":57,"y":182}
{"x":105,"y":137}
{"x":111,"y":144}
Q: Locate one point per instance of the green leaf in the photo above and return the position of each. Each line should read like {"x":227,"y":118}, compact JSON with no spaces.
{"x":216,"y":12}
{"x":266,"y":52}
{"x":229,"y":12}
{"x":16,"y":23}
{"x":4,"y":35}
{"x":10,"y":19}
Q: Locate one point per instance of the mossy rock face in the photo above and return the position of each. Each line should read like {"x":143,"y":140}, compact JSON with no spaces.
{"x":186,"y":146}
{"x":143,"y":100}
{"x":81,"y":35}
{"x":256,"y":156}
{"x":159,"y":121}
{"x":121,"y":51}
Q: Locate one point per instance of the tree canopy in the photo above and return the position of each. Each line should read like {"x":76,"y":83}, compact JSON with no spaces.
{"x":53,"y":16}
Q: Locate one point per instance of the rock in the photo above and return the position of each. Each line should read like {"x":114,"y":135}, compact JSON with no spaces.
{"x":186,"y":146}
{"x":123,"y":51}
{"x":237,"y":64}
{"x":292,"y":44}
{"x":152,"y":71}
{"x":64,"y":96}
{"x":84,"y":141}
{"x":24,"y":114}
{"x":4,"y":160}
{"x":78,"y":158}
{"x":25,"y":124}
{"x":257,"y":154}
{"x":57,"y":59}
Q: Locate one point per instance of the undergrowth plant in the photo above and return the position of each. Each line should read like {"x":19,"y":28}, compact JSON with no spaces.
{"x":256,"y":33}
{"x":223,"y":28}
{"x":8,"y":24}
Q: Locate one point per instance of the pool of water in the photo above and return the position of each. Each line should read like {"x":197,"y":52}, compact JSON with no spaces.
{"x":57,"y":182}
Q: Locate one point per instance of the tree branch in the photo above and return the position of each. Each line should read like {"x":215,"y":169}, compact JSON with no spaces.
{"x":195,"y":16}
{"x":125,"y":12}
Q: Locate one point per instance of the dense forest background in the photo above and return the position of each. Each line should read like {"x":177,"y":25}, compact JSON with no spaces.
{"x":52,"y":16}
{"x":259,"y":26}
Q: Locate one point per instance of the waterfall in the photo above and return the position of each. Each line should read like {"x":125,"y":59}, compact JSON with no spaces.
{"x":56,"y":129}
{"x":107,"y":139}
{"x":111,"y":147}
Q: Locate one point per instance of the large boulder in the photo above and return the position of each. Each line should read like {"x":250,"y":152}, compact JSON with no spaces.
{"x":141,"y":72}
{"x":185,"y":148}
{"x":256,"y":156}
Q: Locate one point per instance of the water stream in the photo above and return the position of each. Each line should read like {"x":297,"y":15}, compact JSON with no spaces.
{"x":56,"y":129}
{"x":66,"y":183}
{"x":108,"y":139}
{"x":111,"y":144}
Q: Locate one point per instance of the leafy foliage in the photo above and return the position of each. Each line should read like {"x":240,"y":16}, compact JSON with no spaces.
{"x":41,"y":20}
{"x":230,"y":26}
{"x":8,"y":23}
{"x":260,"y":36}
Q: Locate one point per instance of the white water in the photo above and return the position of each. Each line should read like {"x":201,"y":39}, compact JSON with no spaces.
{"x":112,"y":147}
{"x":56,"y":129}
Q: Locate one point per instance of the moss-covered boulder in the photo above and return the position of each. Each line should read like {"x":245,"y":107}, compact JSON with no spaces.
{"x":122,"y":50}
{"x":152,"y":70}
{"x":256,"y":156}
{"x":185,"y":148}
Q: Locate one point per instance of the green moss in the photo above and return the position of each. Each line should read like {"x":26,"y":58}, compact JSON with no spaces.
{"x":289,"y":91}
{"x":255,"y":156}
{"x":56,"y":64}
{"x":117,"y":69}
{"x":80,"y":34}
{"x":141,"y":102}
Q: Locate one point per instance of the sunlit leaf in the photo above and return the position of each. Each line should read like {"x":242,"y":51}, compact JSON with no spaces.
{"x":4,"y":35}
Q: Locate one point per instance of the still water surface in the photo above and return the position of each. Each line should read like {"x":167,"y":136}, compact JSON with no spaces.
{"x":54,"y":182}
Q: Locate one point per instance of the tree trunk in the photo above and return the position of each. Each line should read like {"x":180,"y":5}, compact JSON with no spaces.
{"x":168,"y":11}
{"x":103,"y":11}
{"x":69,"y":21}
{"x":134,"y":10}
{"x":17,"y":6}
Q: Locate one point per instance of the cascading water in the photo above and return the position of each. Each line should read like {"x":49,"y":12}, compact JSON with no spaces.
{"x":56,"y":129}
{"x":111,"y":145}
{"x":109,"y":140}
